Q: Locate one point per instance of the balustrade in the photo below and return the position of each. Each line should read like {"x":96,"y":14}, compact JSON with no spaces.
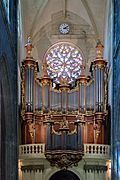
{"x":97,"y":150}
{"x":90,"y":150}
{"x":31,"y":150}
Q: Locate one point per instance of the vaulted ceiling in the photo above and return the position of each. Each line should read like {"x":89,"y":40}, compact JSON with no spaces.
{"x":41,"y":19}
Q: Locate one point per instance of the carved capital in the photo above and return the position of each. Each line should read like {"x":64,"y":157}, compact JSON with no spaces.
{"x":92,"y":168}
{"x":33,"y":168}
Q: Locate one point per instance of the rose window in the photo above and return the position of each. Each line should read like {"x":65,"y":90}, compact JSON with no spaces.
{"x":64,"y":61}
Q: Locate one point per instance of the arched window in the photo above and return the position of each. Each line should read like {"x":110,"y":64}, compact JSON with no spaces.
{"x":64,"y":61}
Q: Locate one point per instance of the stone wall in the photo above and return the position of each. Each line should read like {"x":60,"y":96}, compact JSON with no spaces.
{"x":8,"y":92}
{"x":116,"y":94}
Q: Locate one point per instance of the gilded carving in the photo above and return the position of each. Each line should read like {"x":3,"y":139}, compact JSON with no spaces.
{"x":31,"y":128}
{"x":64,"y":159}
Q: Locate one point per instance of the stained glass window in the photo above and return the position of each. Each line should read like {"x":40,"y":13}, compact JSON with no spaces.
{"x":64,"y":62}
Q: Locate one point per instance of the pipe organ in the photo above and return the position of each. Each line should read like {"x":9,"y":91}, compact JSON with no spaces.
{"x":62,"y":115}
{"x":65,"y":100}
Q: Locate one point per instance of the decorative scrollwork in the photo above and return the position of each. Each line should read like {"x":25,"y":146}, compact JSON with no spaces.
{"x":62,"y":159}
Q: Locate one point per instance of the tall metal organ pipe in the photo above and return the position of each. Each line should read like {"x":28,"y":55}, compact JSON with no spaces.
{"x":82,"y":86}
{"x":29,"y":65}
{"x":99,"y":83}
{"x":29,"y":88}
{"x":64,"y":98}
{"x":45,"y":95}
{"x":29,"y":72}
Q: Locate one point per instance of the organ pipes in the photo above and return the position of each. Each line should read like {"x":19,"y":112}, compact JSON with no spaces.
{"x":39,"y":98}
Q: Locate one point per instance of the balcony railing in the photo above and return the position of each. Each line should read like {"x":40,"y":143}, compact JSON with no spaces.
{"x":31,"y":151}
{"x":90,"y":151}
{"x":96,"y":151}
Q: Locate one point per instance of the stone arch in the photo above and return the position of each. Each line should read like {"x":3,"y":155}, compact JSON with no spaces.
{"x":64,"y":175}
{"x":51,"y":171}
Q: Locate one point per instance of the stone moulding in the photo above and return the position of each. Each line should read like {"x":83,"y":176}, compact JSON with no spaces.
{"x":98,"y":168}
{"x":33,"y":168}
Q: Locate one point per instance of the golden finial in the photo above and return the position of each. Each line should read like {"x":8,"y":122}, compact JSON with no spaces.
{"x":99,"y":49}
{"x":29,"y":47}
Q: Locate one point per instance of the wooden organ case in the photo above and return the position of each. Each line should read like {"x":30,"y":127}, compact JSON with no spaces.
{"x":64,"y":117}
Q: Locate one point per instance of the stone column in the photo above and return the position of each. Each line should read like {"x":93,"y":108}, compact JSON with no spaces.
{"x":32,"y":172}
{"x":25,"y":175}
{"x":32,"y":175}
{"x":38,"y":175}
{"x":95,"y":172}
{"x":19,"y":170}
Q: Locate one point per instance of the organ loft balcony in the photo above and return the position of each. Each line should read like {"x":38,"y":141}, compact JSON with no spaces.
{"x":64,"y":113}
